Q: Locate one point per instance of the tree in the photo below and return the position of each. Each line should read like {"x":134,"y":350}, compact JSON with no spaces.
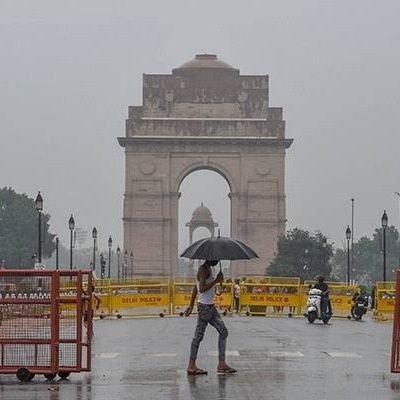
{"x":19,"y":230}
{"x":367,"y":265}
{"x":301,"y":254}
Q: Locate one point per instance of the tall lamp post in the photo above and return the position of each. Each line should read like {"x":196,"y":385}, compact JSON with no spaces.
{"x":352,"y":234}
{"x":109,"y":256}
{"x":324,"y":246}
{"x":39,"y":208}
{"x":398,"y":195}
{"x":71,"y":224}
{"x":348,"y":237}
{"x":94,"y":236}
{"x":57,"y":242}
{"x":131,"y":264}
{"x":384,"y":226}
{"x":125,"y":266}
{"x":118,"y":265}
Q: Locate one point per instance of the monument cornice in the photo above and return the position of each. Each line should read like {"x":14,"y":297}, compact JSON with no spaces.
{"x":193,"y":143}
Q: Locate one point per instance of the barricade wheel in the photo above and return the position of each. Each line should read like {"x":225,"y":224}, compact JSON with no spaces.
{"x":64,"y":374}
{"x":24,"y":375}
{"x":50,"y":377}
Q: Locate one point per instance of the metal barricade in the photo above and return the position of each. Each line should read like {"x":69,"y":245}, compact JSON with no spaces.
{"x":385,"y":293}
{"x":268,"y":295}
{"x":139,"y":296}
{"x":45,"y":322}
{"x":182,"y":293}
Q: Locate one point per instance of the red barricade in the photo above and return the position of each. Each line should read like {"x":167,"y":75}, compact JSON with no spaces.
{"x":395,"y":361}
{"x":45,"y":322}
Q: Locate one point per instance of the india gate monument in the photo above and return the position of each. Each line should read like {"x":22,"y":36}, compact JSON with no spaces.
{"x":204,"y":115}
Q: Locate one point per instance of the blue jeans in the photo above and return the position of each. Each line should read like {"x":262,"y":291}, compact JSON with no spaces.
{"x":208,"y":314}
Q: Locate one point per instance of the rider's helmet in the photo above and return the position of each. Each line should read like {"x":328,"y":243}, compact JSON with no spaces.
{"x":319,"y":278}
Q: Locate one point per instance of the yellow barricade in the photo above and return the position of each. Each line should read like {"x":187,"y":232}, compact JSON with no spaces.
{"x":384,"y":300}
{"x":263,"y":295}
{"x":182,"y":293}
{"x":138,"y":296}
{"x":340,"y":295}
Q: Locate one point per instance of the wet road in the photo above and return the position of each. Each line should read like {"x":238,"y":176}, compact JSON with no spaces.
{"x":277,"y":358}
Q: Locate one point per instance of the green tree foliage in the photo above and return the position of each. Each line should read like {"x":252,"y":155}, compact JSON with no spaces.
{"x":19,"y":230}
{"x":367,"y":265}
{"x":301,"y":254}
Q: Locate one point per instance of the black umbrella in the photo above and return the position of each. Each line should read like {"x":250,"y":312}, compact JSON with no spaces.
{"x":219,"y":248}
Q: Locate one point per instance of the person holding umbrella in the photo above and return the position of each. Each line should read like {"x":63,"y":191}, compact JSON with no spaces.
{"x":207,"y":314}
{"x":211,"y":249}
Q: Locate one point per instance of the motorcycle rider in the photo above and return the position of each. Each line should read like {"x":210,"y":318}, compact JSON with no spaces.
{"x":326,"y":306}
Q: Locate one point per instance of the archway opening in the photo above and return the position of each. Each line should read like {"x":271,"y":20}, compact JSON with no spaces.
{"x":204,"y":194}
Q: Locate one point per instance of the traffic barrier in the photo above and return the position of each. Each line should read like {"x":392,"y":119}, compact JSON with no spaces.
{"x":340,"y":295}
{"x":385,"y":293}
{"x":45,"y":322}
{"x":263,"y":295}
{"x":182,"y":292}
{"x":139,"y":296}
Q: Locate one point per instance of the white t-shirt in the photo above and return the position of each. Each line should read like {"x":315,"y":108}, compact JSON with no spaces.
{"x":206,"y":297}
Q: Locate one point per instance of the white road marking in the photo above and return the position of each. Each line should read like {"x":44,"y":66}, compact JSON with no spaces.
{"x":342,"y":354}
{"x":163,"y":354}
{"x":106,"y":355}
{"x":234,"y":353}
{"x":285,"y":354}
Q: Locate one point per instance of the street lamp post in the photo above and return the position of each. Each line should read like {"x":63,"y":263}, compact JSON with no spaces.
{"x":348,"y":237}
{"x":109,"y":256}
{"x":352,"y":233}
{"x":94,"y":236}
{"x":71,"y":224}
{"x":57,"y":240}
{"x":39,"y":208}
{"x":324,"y":246}
{"x":398,"y":195}
{"x":125,"y":266}
{"x":102,"y":266}
{"x":118,"y":265}
{"x":131,"y":264}
{"x":384,"y":226}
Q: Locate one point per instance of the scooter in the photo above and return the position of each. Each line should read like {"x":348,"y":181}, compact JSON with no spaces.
{"x":359,"y":307}
{"x":314,"y":307}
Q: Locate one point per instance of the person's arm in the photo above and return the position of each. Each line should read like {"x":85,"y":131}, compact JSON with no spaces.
{"x":189,"y":310}
{"x":203,"y":286}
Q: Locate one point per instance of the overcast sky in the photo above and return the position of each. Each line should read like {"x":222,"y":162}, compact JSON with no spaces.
{"x":70,"y":69}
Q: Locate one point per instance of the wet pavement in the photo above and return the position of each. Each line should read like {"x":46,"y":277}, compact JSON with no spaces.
{"x":277,"y":358}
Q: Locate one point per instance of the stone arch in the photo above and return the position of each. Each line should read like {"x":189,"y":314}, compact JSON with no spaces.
{"x":205,"y":116}
{"x":198,"y":166}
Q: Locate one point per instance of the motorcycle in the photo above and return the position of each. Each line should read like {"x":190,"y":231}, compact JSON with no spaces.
{"x":359,"y":307}
{"x":314,"y":307}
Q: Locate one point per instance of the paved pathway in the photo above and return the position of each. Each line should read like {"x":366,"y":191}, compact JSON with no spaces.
{"x":277,"y":358}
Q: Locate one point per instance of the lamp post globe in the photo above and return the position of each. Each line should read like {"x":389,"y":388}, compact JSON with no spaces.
{"x":384,"y":221}
{"x":39,"y":208}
